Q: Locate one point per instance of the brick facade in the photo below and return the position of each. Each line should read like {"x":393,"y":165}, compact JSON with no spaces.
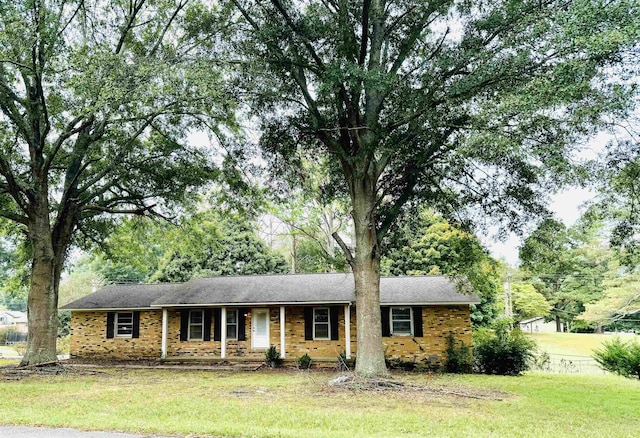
{"x":89,"y":337}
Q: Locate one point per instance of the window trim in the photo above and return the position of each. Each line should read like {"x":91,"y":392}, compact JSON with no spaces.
{"x":237,"y":312}
{"x":328,"y":324}
{"x":391,"y":320}
{"x":116,"y":325}
{"x":201,"y":324}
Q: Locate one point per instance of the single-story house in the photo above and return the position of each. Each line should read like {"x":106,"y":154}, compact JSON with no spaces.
{"x":14,"y":319}
{"x":537,"y":324}
{"x":242,"y":316}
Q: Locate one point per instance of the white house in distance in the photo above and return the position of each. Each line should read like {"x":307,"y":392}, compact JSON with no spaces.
{"x":537,"y":325}
{"x":15,"y":319}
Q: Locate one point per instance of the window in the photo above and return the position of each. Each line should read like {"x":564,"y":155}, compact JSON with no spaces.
{"x":124,"y":324}
{"x":401,"y":321}
{"x":232,"y":324}
{"x":196,"y":324}
{"x":321,"y":326}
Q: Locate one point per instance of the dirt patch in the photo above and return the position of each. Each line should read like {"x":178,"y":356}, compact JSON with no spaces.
{"x":51,"y":369}
{"x":354,"y":383}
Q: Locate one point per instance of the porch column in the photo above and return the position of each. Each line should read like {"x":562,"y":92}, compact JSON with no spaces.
{"x":282,"y":333}
{"x":347,"y":330}
{"x":165,"y":329}
{"x":223,"y":333}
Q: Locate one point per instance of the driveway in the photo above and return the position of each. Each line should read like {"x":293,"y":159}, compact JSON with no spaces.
{"x":42,"y":432}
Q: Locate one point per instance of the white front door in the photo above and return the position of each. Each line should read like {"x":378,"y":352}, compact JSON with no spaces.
{"x":260,"y":328}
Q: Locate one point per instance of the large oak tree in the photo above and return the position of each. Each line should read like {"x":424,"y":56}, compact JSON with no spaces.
{"x":469,"y":105}
{"x":93,"y":96}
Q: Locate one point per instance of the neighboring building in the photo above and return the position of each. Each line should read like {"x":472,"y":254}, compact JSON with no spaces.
{"x":14,"y":319}
{"x":537,"y":324}
{"x":302,"y":313}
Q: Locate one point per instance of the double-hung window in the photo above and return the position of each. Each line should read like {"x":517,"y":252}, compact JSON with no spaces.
{"x":124,"y":324}
{"x":401,"y":321}
{"x":196,"y":325}
{"x":321,"y":323}
{"x":232,"y":324}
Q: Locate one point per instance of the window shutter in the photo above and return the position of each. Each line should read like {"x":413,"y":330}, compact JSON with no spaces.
{"x":384,"y":314}
{"x":111,"y":317}
{"x":242,"y":332}
{"x":334,"y":312}
{"x":206,"y":335}
{"x":184,"y":324}
{"x":417,"y":322}
{"x":136,"y":325}
{"x":217,"y":327}
{"x":308,"y":323}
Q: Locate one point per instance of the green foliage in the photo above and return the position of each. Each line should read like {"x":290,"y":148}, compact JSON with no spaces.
{"x":427,"y":244}
{"x":304,"y":362}
{"x":528,"y":302}
{"x":619,"y":357}
{"x":504,"y":351}
{"x":64,"y":324}
{"x":459,"y":356}
{"x":272,"y":357}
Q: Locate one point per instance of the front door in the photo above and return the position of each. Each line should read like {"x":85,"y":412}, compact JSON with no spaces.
{"x":260,"y":328}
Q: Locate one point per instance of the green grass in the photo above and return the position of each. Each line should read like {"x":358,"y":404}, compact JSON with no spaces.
{"x":291,"y":404}
{"x":578,"y":344}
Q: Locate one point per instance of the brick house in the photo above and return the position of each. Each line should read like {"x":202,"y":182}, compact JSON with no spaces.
{"x":301,"y":313}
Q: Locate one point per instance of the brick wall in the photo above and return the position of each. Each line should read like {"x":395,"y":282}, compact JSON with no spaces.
{"x":89,"y":337}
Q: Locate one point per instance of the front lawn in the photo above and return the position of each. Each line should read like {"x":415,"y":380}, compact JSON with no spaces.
{"x":297,"y":404}
{"x":578,"y":344}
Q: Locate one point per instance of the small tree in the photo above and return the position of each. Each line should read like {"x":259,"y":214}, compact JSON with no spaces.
{"x":619,"y":357}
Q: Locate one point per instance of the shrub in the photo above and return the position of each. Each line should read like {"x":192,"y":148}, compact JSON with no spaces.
{"x":304,"y":362}
{"x":345,"y":364}
{"x":619,"y":357}
{"x":459,"y":357}
{"x":272,"y":357}
{"x":399,"y":364}
{"x":502,"y":351}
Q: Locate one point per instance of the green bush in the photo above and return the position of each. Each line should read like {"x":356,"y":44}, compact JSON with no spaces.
{"x":504,"y":351}
{"x":459,"y":356}
{"x":619,"y":357}
{"x":304,"y":362}
{"x":272,"y":357}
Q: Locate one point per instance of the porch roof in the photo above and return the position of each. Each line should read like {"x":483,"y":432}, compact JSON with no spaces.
{"x":273,"y":290}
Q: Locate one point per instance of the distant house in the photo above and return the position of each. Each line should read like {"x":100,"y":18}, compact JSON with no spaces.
{"x":15,"y":319}
{"x":537,"y":324}
{"x":241,"y":316}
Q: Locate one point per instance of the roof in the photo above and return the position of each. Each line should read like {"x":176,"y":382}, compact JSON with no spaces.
{"x":535,"y":318}
{"x":122,"y":296}
{"x":15,"y":315}
{"x":273,"y":290}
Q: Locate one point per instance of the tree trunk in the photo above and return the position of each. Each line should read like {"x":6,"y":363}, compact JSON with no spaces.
{"x":366,"y":270}
{"x":42,"y":306}
{"x":558,"y":324}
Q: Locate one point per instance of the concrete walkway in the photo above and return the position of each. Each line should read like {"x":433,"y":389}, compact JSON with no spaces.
{"x":42,"y":432}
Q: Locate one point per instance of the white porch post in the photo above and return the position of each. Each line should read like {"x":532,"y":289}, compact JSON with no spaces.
{"x":165,"y":329}
{"x":223,"y":333}
{"x":282,"y":332}
{"x":347,"y":330}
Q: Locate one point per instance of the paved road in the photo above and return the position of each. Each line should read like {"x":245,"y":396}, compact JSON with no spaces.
{"x":41,"y":432}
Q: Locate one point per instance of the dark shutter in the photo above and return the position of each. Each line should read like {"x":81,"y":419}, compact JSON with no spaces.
{"x":242,"y":332}
{"x":136,"y":325}
{"x":417,"y":322}
{"x":184,"y":325}
{"x":384,"y":313}
{"x":217,"y":324}
{"x":334,"y":311}
{"x":111,"y":316}
{"x":206,"y":335}
{"x":308,"y":323}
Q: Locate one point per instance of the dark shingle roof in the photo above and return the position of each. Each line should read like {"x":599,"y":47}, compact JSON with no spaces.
{"x":121,"y":296}
{"x":273,"y":289}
